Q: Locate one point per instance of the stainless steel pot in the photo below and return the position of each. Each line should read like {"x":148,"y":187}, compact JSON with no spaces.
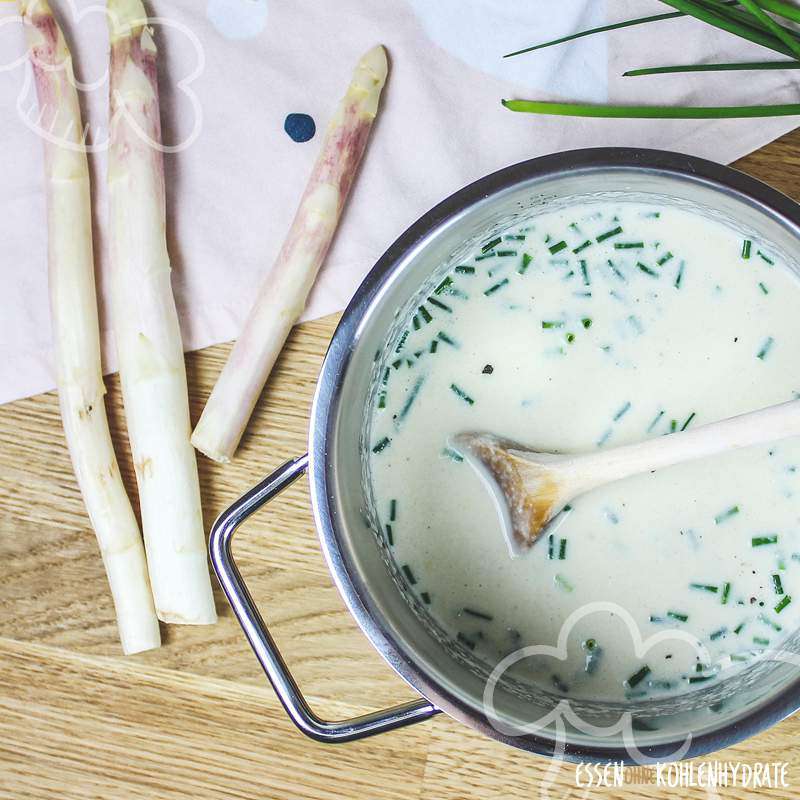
{"x":449,"y":678}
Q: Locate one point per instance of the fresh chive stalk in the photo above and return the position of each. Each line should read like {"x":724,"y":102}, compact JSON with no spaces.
{"x":409,"y":574}
{"x":478,"y":614}
{"x":704,"y":587}
{"x":622,"y":411}
{"x":741,"y":65}
{"x":732,"y":22}
{"x":609,"y":234}
{"x":765,"y":348}
{"x":453,"y":455}
{"x":760,"y":541}
{"x":592,"y":31}
{"x":444,"y":285}
{"x":764,"y":257}
{"x":750,"y":23}
{"x":496,"y":287}
{"x":679,"y":276}
{"x":637,"y":677}
{"x":439,"y":304}
{"x":727,"y":514}
{"x":779,"y":31}
{"x":647,"y":270}
{"x":781,"y":8}
{"x":457,"y":390}
{"x":655,"y":421}
{"x":381,"y":445}
{"x":652,"y":112}
{"x":412,"y":396}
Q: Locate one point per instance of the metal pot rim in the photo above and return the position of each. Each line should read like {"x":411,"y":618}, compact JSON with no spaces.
{"x":325,"y":410}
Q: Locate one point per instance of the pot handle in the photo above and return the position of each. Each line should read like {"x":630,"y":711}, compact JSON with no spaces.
{"x":260,"y":639}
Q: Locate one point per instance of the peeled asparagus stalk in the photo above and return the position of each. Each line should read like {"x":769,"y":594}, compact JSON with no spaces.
{"x":76,"y":333}
{"x":146,"y":328}
{"x":283,"y":294}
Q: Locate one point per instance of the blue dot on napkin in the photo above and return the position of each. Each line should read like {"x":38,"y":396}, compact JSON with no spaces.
{"x":300,"y":127}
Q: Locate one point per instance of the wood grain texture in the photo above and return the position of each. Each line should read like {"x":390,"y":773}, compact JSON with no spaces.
{"x":196,"y":718}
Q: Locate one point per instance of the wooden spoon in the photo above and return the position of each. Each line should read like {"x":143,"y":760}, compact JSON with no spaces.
{"x":531,"y":487}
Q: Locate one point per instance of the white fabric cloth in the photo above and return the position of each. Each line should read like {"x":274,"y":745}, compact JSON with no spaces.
{"x":230,"y":72}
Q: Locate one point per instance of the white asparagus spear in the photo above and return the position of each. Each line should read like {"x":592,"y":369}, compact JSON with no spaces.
{"x":283,"y":293}
{"x":76,"y":332}
{"x":531,"y":487}
{"x":146,"y":329}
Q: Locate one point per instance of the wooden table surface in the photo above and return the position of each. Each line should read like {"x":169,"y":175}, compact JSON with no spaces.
{"x":196,"y":718}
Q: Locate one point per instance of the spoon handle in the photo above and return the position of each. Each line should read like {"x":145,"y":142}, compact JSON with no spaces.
{"x":756,"y":427}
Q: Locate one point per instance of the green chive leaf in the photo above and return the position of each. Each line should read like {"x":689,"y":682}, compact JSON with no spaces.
{"x":652,"y":112}
{"x":637,"y":677}
{"x":457,"y":390}
{"x":759,"y":541}
{"x":727,"y":514}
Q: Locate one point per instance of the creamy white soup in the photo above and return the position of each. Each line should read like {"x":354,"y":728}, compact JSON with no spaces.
{"x":589,"y":327}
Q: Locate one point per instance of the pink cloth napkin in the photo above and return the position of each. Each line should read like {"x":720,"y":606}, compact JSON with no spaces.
{"x":232,"y":70}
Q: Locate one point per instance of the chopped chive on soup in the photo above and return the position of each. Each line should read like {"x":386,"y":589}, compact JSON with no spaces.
{"x":578,"y":329}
